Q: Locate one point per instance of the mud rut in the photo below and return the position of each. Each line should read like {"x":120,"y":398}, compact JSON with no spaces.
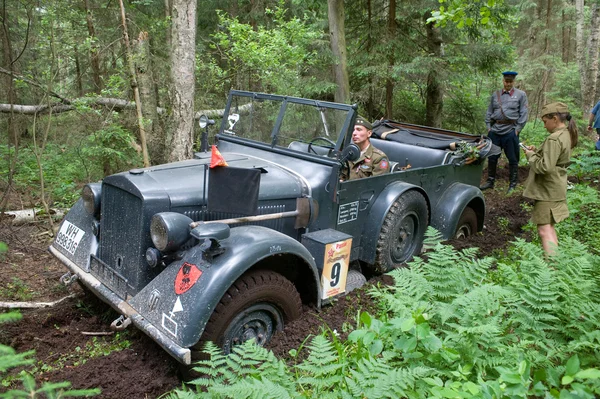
{"x":144,"y":370}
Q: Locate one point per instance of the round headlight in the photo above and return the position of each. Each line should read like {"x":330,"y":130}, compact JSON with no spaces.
{"x":169,"y":230}
{"x":91,"y":194}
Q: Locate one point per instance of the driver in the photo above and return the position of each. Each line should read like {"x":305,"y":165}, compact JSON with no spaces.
{"x":372,"y":161}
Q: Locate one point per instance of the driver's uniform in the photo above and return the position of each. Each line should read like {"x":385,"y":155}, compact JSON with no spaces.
{"x":372,"y":162}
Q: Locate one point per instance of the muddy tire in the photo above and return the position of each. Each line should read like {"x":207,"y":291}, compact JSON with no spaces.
{"x":467,"y":224}
{"x":402,"y":232}
{"x":256,"y":306}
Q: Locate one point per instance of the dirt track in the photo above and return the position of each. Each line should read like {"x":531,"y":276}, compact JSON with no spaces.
{"x":144,"y":370}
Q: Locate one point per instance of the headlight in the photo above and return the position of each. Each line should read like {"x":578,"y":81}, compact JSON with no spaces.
{"x":91,"y":194}
{"x":169,"y":230}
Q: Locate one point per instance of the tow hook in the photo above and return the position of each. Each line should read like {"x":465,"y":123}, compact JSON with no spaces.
{"x":68,"y":278}
{"x":120,"y":323}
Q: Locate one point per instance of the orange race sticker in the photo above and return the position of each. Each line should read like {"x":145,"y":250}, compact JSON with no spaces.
{"x":335,"y":268}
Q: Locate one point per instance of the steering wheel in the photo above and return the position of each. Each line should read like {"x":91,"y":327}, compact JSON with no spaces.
{"x":331,"y":145}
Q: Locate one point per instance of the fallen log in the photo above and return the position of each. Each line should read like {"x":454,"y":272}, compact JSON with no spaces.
{"x":32,"y":305}
{"x":24,"y":216}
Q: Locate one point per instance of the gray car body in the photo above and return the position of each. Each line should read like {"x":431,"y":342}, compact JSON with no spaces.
{"x":110,"y":259}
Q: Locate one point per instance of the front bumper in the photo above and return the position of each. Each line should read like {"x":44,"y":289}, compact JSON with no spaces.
{"x":183,"y":355}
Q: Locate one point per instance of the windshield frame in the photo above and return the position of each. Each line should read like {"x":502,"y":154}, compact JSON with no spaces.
{"x":343,"y":135}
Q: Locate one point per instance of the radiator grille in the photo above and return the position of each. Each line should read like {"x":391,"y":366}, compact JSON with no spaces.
{"x":121,"y":233}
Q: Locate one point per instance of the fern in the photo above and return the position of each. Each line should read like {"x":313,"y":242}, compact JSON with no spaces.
{"x":321,"y":371}
{"x":374,"y":378}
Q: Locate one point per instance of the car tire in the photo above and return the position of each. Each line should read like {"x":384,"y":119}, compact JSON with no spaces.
{"x":256,"y":306}
{"x":467,"y":224}
{"x":402,"y":232}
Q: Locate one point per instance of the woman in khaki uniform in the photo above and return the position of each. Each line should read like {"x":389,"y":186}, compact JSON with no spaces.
{"x":547,"y":180}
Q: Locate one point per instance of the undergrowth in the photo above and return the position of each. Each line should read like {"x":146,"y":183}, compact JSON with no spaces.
{"x":11,"y":359}
{"x":449,"y":327}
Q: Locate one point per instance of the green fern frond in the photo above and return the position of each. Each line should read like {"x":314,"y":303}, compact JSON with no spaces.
{"x":374,"y":379}
{"x":252,"y":389}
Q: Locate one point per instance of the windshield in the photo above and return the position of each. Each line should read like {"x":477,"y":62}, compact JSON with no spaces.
{"x":287,"y":121}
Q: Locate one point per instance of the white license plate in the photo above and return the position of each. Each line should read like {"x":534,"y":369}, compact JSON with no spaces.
{"x":69,"y":237}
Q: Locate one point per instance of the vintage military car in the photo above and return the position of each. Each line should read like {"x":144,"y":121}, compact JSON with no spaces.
{"x":190,"y":253}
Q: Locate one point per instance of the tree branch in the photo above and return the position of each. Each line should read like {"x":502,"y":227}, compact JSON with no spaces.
{"x":33,"y":83}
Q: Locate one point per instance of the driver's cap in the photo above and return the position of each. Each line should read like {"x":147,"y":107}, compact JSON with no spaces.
{"x":363,"y":122}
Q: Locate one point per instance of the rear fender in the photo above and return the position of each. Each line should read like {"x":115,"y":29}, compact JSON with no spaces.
{"x":451,"y":205}
{"x":377,"y":214}
{"x":183,"y":316}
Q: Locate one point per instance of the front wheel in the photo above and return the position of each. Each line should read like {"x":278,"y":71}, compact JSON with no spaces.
{"x":254,"y":307}
{"x":402,"y":232}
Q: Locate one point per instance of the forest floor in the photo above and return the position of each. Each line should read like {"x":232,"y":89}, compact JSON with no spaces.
{"x":67,"y":336}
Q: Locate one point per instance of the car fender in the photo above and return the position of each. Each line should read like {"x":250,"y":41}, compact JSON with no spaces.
{"x":184,"y":316}
{"x":379,"y":210}
{"x":451,"y":205}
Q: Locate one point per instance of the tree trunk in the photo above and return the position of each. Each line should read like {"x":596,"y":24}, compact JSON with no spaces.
{"x":337,"y":39}
{"x":8,"y":80}
{"x":581,"y":49}
{"x":94,"y":55}
{"x":144,"y":71}
{"x":592,"y":69}
{"x":78,"y":72}
{"x":370,"y":104}
{"x":134,"y":86}
{"x":389,"y":83}
{"x":8,"y":85}
{"x":434,"y":95}
{"x":181,"y":123}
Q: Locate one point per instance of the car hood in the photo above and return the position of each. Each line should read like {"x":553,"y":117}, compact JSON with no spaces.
{"x":185,"y":183}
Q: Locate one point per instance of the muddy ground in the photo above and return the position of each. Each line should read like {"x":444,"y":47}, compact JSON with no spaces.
{"x":59,"y":334}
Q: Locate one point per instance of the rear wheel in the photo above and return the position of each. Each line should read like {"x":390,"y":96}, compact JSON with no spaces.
{"x":254,"y":307}
{"x":467,"y":224}
{"x":402,"y":232}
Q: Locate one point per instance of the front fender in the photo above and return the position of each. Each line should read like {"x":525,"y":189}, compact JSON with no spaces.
{"x":447,"y":212}
{"x":183,"y":317}
{"x":377,"y":214}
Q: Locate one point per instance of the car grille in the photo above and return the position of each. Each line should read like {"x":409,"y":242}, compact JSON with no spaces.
{"x":122,"y":244}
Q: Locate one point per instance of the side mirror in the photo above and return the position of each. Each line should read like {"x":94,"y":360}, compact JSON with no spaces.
{"x":350,"y":153}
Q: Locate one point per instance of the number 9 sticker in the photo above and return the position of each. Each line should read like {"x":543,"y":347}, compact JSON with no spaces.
{"x":335,"y":268}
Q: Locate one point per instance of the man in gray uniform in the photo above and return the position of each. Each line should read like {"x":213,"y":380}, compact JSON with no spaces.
{"x":505,"y":118}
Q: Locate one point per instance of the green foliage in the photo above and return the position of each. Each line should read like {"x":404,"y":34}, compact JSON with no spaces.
{"x":584,"y":164}
{"x":10,"y":359}
{"x":3,"y":249}
{"x":584,"y":219}
{"x":473,"y":16}
{"x":16,"y":290}
{"x":112,"y":147}
{"x":450,"y":326}
{"x":96,"y":347}
{"x":273,"y":58}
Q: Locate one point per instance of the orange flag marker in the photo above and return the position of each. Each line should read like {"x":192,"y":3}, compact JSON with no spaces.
{"x":216,"y":159}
